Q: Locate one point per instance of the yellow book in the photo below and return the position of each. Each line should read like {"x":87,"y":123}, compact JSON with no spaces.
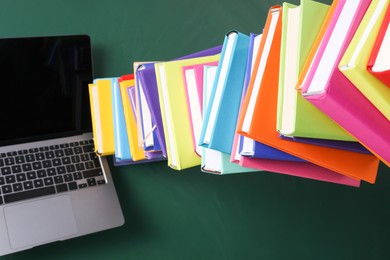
{"x":354,"y":62}
{"x":102,"y":116}
{"x":176,"y":122}
{"x":137,"y":152}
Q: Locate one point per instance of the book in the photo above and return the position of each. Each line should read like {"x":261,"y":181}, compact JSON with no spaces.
{"x":121,"y":141}
{"x":127,"y":91}
{"x":378,"y":65}
{"x":296,"y":117}
{"x":193,"y":83}
{"x":213,"y":161}
{"x":355,"y":59}
{"x":170,"y":85}
{"x":145,"y":123}
{"x":262,"y":116}
{"x":219,"y":118}
{"x":102,"y":116}
{"x":246,"y":146}
{"x":346,"y":105}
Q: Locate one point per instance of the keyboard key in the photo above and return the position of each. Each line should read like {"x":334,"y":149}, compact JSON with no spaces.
{"x":77,"y":176}
{"x":68,"y":151}
{"x":31,"y":175}
{"x":59,"y":153}
{"x":68,"y":177}
{"x":41,"y":173}
{"x":6,"y":170}
{"x":78,"y":150}
{"x":89,"y":165}
{"x":58,"y":179}
{"x":66,"y":160}
{"x":92,"y":173}
{"x":100,"y":182}
{"x":44,"y":148}
{"x":80,"y":167}
{"x":54,"y":147}
{"x":16,"y":169}
{"x":2,"y":181}
{"x":1,"y":162}
{"x":40,"y":156}
{"x":38,"y":183}
{"x":83,"y":185}
{"x":61,"y":170}
{"x":29,"y":194}
{"x":6,"y":189}
{"x":29,"y":157}
{"x":56,"y":162}
{"x":27,"y":167}
{"x":75,"y":159}
{"x":17,"y":187}
{"x":1,"y":200}
{"x":28,"y":185}
{"x":88,"y":148}
{"x":70,"y":168}
{"x":21,"y":177}
{"x":9,"y":161}
{"x":37,"y":165}
{"x":19,"y":159}
{"x":62,"y":187}
{"x":72,"y":185}
{"x":51,"y":172}
{"x":48,"y":181}
{"x":46,"y":164}
{"x":84,"y":157}
{"x":49,"y":155}
{"x":10,"y":179}
{"x":91,"y":182}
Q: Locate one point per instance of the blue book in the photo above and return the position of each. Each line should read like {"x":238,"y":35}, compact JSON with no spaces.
{"x":220,"y":117}
{"x":121,"y":140}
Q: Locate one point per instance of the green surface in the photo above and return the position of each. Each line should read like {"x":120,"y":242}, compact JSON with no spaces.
{"x":189,"y":214}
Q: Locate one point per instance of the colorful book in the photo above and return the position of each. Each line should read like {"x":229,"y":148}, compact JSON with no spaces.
{"x":213,"y":161}
{"x":102,"y":116}
{"x":355,"y":59}
{"x":262,"y":94}
{"x":378,"y":64}
{"x":346,"y":105}
{"x":126,"y":85}
{"x":296,"y":116}
{"x":121,"y":141}
{"x":219,"y":118}
{"x":170,"y":84}
{"x":193,"y":83}
{"x":145,"y":123}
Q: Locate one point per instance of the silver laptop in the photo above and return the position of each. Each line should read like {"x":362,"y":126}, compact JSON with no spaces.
{"x":52,"y":185}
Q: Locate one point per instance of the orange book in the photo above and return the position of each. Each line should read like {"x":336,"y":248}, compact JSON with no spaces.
{"x":316,"y":44}
{"x":257,"y":119}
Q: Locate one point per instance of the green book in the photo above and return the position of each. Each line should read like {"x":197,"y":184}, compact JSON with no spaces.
{"x":297,"y":117}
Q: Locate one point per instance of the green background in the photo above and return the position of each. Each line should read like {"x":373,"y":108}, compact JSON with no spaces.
{"x":189,"y":214}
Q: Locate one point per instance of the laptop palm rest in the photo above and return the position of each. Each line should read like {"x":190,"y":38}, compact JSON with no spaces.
{"x":40,"y":221}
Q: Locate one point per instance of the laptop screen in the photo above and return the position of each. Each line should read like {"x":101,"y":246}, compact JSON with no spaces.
{"x":44,"y":87}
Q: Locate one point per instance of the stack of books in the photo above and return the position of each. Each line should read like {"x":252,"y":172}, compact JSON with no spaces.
{"x":309,"y":96}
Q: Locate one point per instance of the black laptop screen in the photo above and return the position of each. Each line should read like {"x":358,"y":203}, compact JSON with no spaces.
{"x":44,"y":87}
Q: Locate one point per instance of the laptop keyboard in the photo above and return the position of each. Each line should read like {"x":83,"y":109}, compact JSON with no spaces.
{"x":48,"y":170}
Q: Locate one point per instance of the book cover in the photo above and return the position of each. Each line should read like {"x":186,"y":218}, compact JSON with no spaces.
{"x":193,"y":83}
{"x":378,"y":64}
{"x":121,"y":141}
{"x":262,"y":121}
{"x":219,"y":118}
{"x":102,"y":116}
{"x":346,"y":105}
{"x":176,"y":123}
{"x":136,"y":151}
{"x":355,"y":59}
{"x":296,"y":117}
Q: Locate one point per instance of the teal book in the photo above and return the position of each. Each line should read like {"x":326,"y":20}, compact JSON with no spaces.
{"x":213,"y":161}
{"x":219,"y":122}
{"x":121,"y":141}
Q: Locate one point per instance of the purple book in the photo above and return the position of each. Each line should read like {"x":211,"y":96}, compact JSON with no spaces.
{"x":146,"y":74}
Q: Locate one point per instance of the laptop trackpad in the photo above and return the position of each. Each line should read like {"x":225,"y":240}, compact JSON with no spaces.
{"x":40,"y":221}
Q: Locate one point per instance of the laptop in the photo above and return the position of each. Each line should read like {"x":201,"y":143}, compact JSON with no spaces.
{"x":52,"y":185}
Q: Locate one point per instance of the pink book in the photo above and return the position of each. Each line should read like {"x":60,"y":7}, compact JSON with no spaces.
{"x":293,"y":168}
{"x":193,"y":83}
{"x":330,"y":91}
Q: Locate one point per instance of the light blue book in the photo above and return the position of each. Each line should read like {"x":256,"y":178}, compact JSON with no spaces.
{"x":220,"y":116}
{"x":121,"y":140}
{"x":213,"y":161}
